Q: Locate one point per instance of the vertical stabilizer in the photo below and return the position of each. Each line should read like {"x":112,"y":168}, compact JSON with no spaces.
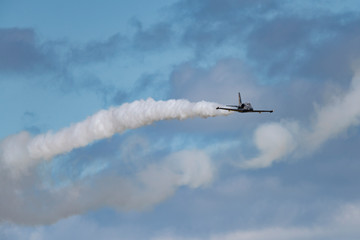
{"x":240,"y":99}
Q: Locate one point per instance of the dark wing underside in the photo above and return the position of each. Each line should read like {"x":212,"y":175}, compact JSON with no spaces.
{"x":260,"y":111}
{"x":243,"y":110}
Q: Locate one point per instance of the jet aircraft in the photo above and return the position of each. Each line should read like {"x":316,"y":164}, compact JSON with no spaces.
{"x":243,"y":107}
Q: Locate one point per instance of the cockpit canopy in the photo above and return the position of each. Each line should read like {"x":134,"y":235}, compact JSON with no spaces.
{"x":247,"y":106}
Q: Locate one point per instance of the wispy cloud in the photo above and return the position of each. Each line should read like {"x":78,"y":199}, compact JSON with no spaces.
{"x":98,"y":51}
{"x":20,"y":52}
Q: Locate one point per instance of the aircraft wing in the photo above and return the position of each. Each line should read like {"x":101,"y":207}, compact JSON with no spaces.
{"x":260,"y":111}
{"x":244,"y":111}
{"x":231,"y":109}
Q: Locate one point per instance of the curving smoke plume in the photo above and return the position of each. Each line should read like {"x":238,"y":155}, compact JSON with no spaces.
{"x":21,"y":151}
{"x":27,"y":197}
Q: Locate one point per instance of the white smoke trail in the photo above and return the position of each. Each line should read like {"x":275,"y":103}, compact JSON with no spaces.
{"x":276,"y":141}
{"x":24,"y":199}
{"x":21,"y":151}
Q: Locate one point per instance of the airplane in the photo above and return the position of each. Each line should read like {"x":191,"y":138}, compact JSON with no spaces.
{"x":243,"y":108}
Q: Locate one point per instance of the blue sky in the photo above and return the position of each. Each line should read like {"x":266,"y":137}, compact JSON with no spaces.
{"x":292,"y":174}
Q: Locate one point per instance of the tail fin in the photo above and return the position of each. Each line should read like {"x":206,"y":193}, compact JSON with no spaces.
{"x":240,"y":99}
